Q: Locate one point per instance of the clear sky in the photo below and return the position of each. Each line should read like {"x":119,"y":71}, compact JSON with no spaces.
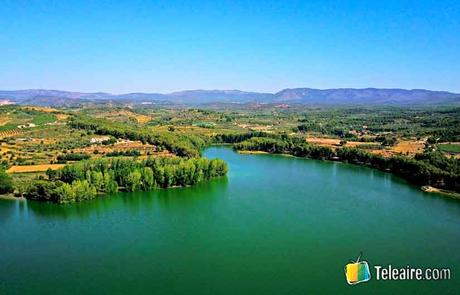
{"x":163,"y":46}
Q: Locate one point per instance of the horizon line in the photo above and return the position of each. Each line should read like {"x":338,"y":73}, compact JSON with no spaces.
{"x":236,"y":90}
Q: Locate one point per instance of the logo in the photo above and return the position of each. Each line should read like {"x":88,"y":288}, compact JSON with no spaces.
{"x":357,"y":271}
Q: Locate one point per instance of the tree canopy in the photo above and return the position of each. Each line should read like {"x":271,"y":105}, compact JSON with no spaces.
{"x":86,"y":180}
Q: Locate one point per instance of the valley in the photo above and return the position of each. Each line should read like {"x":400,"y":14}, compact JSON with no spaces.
{"x":35,"y":140}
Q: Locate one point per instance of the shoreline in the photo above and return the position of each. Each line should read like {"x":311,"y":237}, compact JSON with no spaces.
{"x":265,"y":153}
{"x":446,"y":193}
{"x":11,"y":197}
{"x":254,"y":153}
{"x":425,"y":188}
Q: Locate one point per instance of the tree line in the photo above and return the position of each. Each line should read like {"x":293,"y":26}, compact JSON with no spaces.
{"x":72,"y":157}
{"x":236,"y":137}
{"x":240,"y":137}
{"x":128,"y":153}
{"x":179,"y":144}
{"x":444,"y":135}
{"x":429,"y":168}
{"x":91,"y":178}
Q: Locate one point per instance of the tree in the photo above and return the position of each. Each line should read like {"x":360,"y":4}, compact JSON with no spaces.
{"x":169,"y":179}
{"x":97,"y":180}
{"x":133,"y":181}
{"x":110,"y":185}
{"x":6,"y":182}
{"x":52,"y":174}
{"x":70,"y":173}
{"x":148,"y":182}
{"x":217,"y":168}
{"x":158,"y":174}
{"x":65,"y":194}
{"x":41,"y":190}
{"x":83,"y":190}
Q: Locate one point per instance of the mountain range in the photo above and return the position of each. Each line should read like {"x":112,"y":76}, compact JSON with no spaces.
{"x":304,"y":96}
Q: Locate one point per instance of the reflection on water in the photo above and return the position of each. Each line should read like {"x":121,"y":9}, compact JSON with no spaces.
{"x":66,"y":211}
{"x":133,"y":202}
{"x":187,"y":197}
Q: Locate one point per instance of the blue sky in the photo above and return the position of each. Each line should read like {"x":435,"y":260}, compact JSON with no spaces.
{"x":163,"y":46}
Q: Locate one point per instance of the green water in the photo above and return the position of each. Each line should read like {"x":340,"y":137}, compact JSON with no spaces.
{"x":274,"y":225}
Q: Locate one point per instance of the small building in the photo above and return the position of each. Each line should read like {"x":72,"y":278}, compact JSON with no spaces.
{"x":28,"y":125}
{"x":99,"y":139}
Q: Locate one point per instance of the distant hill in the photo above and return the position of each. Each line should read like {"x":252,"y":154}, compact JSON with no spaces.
{"x":367,"y":96}
{"x":207,"y":96}
{"x":305,"y":96}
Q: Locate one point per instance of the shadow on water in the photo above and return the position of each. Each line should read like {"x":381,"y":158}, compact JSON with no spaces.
{"x":132,"y":202}
{"x":65,"y":211}
{"x":176,"y":197}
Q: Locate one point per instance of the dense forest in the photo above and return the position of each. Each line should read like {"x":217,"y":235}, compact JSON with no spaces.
{"x":429,"y":168}
{"x":87,"y":179}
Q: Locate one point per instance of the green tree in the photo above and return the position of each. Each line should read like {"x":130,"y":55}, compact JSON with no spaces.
{"x":40,"y":190}
{"x":65,"y":194}
{"x":169,"y":179}
{"x":6,"y":182}
{"x":148,"y":181}
{"x":97,"y":180}
{"x":158,"y":174}
{"x":133,"y":181}
{"x":110,"y":185}
{"x":83,"y":190}
{"x":70,"y":173}
{"x":52,"y":174}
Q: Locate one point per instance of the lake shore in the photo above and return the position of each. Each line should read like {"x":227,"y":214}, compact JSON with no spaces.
{"x":264,"y":153}
{"x":447,"y":193}
{"x":425,"y":188}
{"x":11,"y":197}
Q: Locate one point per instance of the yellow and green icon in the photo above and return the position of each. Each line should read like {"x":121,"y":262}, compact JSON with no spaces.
{"x":357,"y":272}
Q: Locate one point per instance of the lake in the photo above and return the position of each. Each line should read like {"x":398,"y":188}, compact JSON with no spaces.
{"x":274,"y":225}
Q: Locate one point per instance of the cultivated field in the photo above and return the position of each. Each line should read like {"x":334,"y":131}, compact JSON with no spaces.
{"x":33,"y":168}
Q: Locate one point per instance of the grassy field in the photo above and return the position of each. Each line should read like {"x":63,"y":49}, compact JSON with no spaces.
{"x":449,"y":147}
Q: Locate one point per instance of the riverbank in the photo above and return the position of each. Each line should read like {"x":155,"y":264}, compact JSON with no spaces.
{"x":265,"y":153}
{"x":426,"y":188}
{"x":447,"y":193}
{"x":11,"y":197}
{"x":254,"y":152}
